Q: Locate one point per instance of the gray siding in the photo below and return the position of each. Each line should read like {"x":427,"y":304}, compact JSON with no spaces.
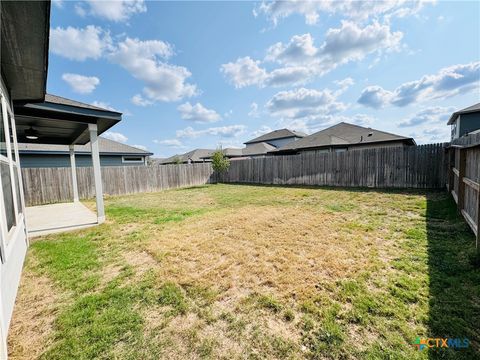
{"x":52,"y":160}
{"x":279,"y":142}
{"x":469,"y":122}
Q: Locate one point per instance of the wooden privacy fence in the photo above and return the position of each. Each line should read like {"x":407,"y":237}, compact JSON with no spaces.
{"x":406,"y":167}
{"x":390,"y":167}
{"x":50,"y":185}
{"x":464,"y":179}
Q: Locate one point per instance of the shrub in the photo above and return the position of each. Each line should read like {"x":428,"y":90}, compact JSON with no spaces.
{"x":220,"y":162}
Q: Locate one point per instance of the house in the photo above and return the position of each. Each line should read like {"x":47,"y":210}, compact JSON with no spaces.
{"x":343,"y":137}
{"x":25,"y":116}
{"x":265,"y":143}
{"x":194,"y":156}
{"x":465,"y":121}
{"x":112,"y":153}
{"x":230,"y":153}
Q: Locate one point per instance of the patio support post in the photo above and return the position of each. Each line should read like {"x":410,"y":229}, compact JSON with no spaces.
{"x":97,"y":174}
{"x":74,"y":173}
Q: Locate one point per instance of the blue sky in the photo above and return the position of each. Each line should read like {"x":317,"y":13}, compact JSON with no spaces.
{"x":209,"y":74}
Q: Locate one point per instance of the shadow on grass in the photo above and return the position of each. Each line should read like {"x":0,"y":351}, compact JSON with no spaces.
{"x":454,"y":279}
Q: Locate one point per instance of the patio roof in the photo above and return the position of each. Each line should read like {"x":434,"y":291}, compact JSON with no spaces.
{"x":24,"y":47}
{"x":61,"y":121}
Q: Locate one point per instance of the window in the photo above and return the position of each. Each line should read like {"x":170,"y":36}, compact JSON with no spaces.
{"x":6,"y":174}
{"x":340,"y":149}
{"x":9,"y":169}
{"x":132,"y":159}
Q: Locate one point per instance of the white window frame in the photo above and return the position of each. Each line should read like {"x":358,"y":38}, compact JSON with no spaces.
{"x":19,"y":209}
{"x":126,"y":161}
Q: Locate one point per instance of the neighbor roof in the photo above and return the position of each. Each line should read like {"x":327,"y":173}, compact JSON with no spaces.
{"x":106,"y":146}
{"x":470,"y":109}
{"x":194,"y":155}
{"x":258,"y":149}
{"x":229,"y":152}
{"x":343,"y":134}
{"x":277,"y":134}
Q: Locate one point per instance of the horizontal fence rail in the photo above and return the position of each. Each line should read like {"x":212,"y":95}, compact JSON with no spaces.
{"x":390,"y":167}
{"x":50,"y":185}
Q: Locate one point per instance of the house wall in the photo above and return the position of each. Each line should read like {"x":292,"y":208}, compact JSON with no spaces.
{"x":59,"y":160}
{"x":13,"y":239}
{"x":390,"y":144}
{"x":278,"y":142}
{"x":468,"y":123}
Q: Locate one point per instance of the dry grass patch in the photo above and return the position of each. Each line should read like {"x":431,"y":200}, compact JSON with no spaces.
{"x":32,"y":325}
{"x":287,"y":251}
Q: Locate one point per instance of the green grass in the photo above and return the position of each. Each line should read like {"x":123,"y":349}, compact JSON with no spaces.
{"x":224,"y":271}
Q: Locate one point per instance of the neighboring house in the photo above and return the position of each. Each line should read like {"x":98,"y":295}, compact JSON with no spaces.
{"x":343,"y":137}
{"x":265,"y":143}
{"x":112,"y":153}
{"x":230,"y":153}
{"x":465,"y":121}
{"x":194,"y":156}
{"x":257,"y":149}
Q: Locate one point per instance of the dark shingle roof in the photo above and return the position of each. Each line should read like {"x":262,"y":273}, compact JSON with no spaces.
{"x":277,"y":134}
{"x":196,"y":155}
{"x":257,"y":149}
{"x":343,"y":134}
{"x":106,"y":146}
{"x":54,"y":99}
{"x":473,"y":108}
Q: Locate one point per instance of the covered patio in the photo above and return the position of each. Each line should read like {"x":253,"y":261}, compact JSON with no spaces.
{"x":61,"y":121}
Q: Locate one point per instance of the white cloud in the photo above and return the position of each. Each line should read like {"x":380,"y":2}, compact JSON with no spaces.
{"x":438,"y":133}
{"x":139,"y":100}
{"x":429,"y":115}
{"x":299,"y":50}
{"x":145,"y":60}
{"x":301,"y":60}
{"x":175,"y":143}
{"x":303,"y":103}
{"x":81,"y":84}
{"x":141,"y":147}
{"x":254,"y":110}
{"x":374,"y":96}
{"x":197,"y":113}
{"x":222,"y":131}
{"x":115,"y":136}
{"x":264,"y":129}
{"x":79,"y":44}
{"x":448,"y":82}
{"x":58,"y":3}
{"x":354,"y":9}
{"x":104,"y":105}
{"x":343,"y":85}
{"x":117,"y":10}
{"x":244,"y":72}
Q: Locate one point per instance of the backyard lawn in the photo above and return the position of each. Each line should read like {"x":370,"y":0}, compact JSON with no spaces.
{"x":232,"y":271}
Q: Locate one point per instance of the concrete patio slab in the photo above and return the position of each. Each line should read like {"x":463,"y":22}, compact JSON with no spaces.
{"x":54,"y":218}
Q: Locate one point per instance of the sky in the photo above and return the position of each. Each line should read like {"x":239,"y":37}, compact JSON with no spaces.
{"x":198,"y":74}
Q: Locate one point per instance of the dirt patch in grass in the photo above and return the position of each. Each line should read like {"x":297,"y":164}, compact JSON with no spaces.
{"x":36,"y":309}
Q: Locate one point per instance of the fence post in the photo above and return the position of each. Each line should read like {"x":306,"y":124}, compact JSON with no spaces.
{"x":477,"y":240}
{"x":461,"y":175}
{"x":451,"y":165}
